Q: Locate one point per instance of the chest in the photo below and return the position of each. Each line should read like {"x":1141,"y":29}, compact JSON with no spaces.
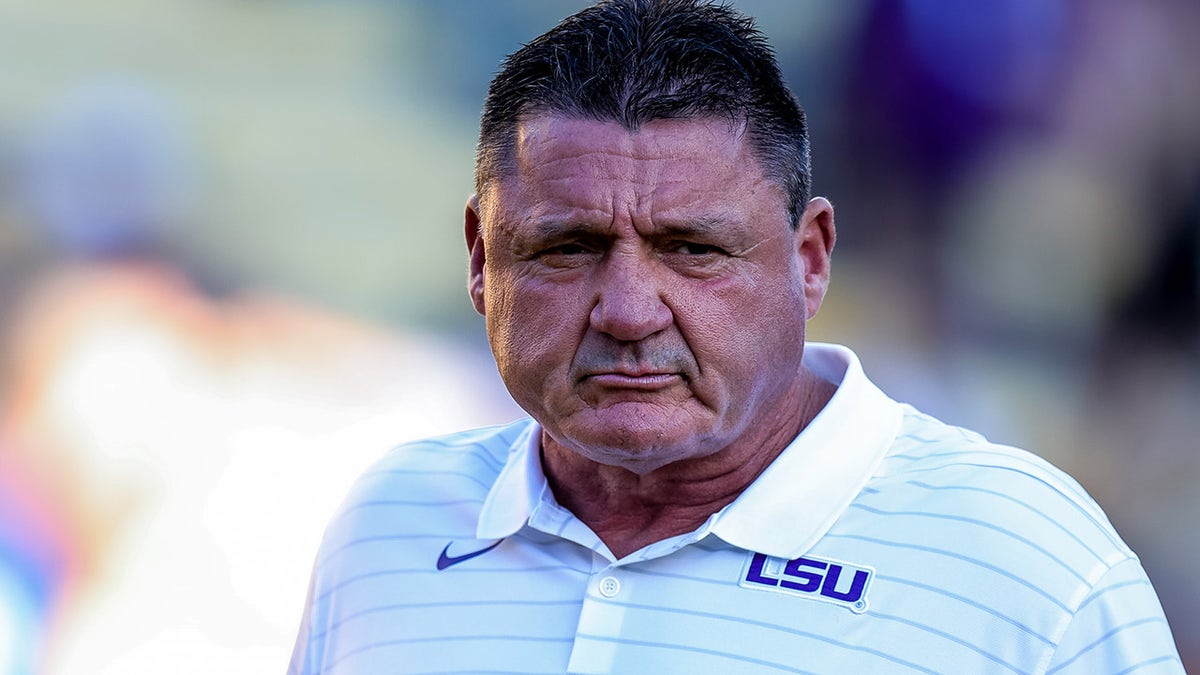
{"x":528,"y":606}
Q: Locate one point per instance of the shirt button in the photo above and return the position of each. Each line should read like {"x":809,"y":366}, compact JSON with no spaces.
{"x":609,"y":587}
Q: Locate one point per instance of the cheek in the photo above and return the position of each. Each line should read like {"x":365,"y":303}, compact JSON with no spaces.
{"x":755,"y":305}
{"x":745,"y":332}
{"x":534,"y":329}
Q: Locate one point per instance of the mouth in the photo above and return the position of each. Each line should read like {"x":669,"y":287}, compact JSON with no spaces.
{"x":639,"y":381}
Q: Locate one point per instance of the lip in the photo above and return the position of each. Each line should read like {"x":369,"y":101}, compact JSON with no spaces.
{"x":637,"y":381}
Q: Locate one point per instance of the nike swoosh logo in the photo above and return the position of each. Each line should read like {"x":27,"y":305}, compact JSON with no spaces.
{"x":445,"y":561}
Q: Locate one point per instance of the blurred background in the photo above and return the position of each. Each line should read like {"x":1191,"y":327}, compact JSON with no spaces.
{"x":232,"y":274}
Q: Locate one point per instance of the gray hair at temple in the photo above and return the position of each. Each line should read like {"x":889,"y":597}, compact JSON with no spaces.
{"x":633,"y":61}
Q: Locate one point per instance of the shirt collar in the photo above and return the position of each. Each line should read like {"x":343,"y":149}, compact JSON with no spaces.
{"x":796,"y":500}
{"x":791,"y":505}
{"x":517,"y":489}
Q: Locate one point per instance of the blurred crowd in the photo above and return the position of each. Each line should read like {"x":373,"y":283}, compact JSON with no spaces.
{"x":231,"y":275}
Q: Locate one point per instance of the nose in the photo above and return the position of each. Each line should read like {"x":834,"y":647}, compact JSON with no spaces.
{"x":629,"y":304}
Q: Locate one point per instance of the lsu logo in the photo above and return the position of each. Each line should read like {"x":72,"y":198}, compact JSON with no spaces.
{"x":807,"y":577}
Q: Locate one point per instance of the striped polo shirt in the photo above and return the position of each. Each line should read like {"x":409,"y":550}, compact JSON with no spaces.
{"x":880,"y":541}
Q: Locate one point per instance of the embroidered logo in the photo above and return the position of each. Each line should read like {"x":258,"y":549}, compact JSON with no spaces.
{"x":831,"y":581}
{"x":446,"y":560}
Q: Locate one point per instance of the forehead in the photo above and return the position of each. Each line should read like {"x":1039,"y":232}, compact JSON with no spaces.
{"x":665,"y":165}
{"x":654,"y":140}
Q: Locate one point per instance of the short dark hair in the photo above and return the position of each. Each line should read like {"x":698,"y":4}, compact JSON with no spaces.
{"x":633,"y":61}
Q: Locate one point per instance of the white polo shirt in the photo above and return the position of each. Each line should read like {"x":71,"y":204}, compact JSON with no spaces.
{"x":879,"y":541}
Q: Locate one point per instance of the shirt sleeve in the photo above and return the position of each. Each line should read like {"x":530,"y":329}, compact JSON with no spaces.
{"x":1118,"y":628}
{"x":307,"y":652}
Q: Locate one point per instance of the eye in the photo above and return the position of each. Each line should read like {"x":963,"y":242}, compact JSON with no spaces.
{"x":566,"y":250}
{"x":694,"y":257}
{"x":694,"y":249}
{"x":567,"y":254}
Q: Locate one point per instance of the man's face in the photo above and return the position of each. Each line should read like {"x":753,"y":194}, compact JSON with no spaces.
{"x":645,"y":293}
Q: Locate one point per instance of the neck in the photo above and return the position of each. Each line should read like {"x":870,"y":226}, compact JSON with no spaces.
{"x":629,"y":511}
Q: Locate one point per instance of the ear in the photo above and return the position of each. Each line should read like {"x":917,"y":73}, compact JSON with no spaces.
{"x":815,"y":238}
{"x":475,"y":279}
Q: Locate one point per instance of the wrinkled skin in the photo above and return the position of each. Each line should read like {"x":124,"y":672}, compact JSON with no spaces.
{"x":646,"y":297}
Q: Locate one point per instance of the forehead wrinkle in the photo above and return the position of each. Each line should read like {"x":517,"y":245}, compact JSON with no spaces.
{"x":693,"y":225}
{"x":604,"y":167}
{"x":566,"y":177}
{"x":551,"y":216}
{"x":622,"y":144}
{"x":551,"y":228}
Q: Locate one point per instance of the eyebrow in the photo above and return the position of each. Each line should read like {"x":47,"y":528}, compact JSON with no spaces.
{"x":552,"y":231}
{"x":703,"y":225}
{"x":558,"y":228}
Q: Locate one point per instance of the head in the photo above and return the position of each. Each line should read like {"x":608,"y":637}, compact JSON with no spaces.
{"x":642,"y":244}
{"x":633,"y":61}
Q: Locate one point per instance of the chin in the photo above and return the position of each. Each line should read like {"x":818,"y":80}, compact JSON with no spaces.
{"x":639,"y":463}
{"x":637,"y":452}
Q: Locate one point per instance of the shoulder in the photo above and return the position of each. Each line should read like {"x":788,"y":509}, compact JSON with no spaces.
{"x":439,"y":483}
{"x":982,"y":549}
{"x":388,"y":531}
{"x":991,"y":511}
{"x":479,"y":453}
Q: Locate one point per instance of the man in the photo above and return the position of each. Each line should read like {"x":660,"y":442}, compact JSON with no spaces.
{"x":698,"y":490}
